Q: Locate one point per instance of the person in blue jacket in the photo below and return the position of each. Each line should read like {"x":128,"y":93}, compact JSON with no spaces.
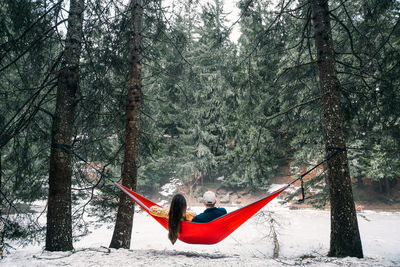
{"x":211,"y":211}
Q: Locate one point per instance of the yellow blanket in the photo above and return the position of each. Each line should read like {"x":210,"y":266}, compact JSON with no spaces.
{"x":163,"y":212}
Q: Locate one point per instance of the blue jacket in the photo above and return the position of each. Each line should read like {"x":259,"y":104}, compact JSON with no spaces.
{"x":209,"y":214}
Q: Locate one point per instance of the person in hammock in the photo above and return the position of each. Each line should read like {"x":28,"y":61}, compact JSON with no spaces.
{"x":177,"y":213}
{"x":211,"y":211}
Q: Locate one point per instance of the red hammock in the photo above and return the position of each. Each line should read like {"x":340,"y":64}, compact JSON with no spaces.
{"x":211,"y":232}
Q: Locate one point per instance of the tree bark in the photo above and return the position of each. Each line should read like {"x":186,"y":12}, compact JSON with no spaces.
{"x":123,"y":226}
{"x":345,"y":237}
{"x":1,"y":213}
{"x":59,"y":221}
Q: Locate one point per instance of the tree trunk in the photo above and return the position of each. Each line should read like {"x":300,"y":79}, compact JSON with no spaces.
{"x":380,"y":187}
{"x":388,"y":192}
{"x":123,"y":226}
{"x":1,"y":214}
{"x":59,"y":221}
{"x":345,"y":236}
{"x":360,"y":182}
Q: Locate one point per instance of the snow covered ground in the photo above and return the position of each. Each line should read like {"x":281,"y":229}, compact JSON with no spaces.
{"x":303,"y":238}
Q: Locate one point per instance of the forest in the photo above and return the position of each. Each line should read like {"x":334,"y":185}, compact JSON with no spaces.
{"x":141,"y":92}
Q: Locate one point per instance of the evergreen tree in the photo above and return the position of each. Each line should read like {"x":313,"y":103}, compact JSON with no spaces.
{"x":59,"y":221}
{"x":123,"y":225}
{"x":366,"y":48}
{"x":29,"y":52}
{"x":262,"y":142}
{"x":345,"y":236}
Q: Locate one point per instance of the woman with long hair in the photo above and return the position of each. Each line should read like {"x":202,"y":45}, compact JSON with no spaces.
{"x":177,"y":211}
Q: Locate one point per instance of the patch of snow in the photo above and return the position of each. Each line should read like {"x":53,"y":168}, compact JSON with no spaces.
{"x":162,"y":203}
{"x":303,"y":237}
{"x":221,"y":178}
{"x":170,"y":188}
{"x":273,"y":187}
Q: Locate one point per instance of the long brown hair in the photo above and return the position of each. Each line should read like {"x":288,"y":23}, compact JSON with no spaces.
{"x":176,"y":212}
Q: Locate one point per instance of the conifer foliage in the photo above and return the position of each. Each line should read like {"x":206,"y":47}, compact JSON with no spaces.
{"x":148,"y":91}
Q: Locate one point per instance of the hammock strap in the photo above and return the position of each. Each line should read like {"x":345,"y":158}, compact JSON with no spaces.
{"x":338,"y":150}
{"x":303,"y":195}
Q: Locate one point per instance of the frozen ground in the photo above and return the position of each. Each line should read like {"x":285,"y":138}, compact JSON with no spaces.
{"x":303,"y":238}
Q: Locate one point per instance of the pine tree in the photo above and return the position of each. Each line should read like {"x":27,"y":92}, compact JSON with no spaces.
{"x":59,"y":221}
{"x":345,"y":236}
{"x":29,"y":53}
{"x":366,"y":48}
{"x":261,"y":141}
{"x":123,"y":225}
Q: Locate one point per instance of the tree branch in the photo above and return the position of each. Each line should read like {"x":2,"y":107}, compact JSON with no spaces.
{"x":294,"y":107}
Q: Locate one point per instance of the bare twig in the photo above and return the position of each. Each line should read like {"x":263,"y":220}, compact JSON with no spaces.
{"x":274,"y":237}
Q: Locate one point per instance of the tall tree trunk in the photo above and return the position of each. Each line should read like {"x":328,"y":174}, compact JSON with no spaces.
{"x":345,"y":237}
{"x":1,"y":214}
{"x":59,"y":221}
{"x":123,"y":226}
